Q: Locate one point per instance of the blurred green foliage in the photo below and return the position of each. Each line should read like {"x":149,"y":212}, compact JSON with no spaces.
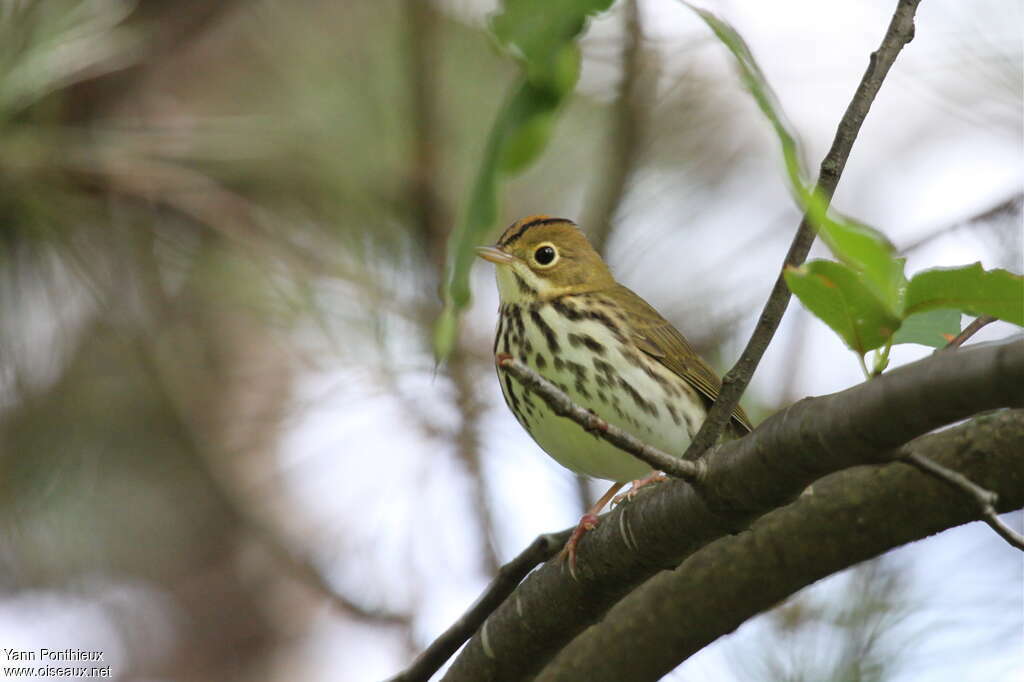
{"x":542,"y":35}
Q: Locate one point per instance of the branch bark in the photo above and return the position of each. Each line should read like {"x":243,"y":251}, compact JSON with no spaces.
{"x":734,"y":383}
{"x":745,"y":479}
{"x":851,"y":516}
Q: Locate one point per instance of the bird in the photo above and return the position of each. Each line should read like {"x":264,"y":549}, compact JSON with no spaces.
{"x":563,"y":314}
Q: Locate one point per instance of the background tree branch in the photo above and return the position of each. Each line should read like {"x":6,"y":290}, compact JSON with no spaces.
{"x":851,"y":516}
{"x":1004,"y":208}
{"x":626,"y":134}
{"x":508,"y":577}
{"x":431,"y":224}
{"x":745,"y":479}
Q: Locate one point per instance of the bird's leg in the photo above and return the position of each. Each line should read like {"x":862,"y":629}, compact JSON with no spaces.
{"x":587,"y":522}
{"x":653,"y":477}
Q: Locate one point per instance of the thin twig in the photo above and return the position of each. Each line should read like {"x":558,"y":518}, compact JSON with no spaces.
{"x":1007,"y":207}
{"x":508,"y":578}
{"x":563,"y":406}
{"x":984,"y":498}
{"x":969,"y":331}
{"x":899,"y":33}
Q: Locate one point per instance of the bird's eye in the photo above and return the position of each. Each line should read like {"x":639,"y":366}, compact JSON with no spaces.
{"x":545,"y":255}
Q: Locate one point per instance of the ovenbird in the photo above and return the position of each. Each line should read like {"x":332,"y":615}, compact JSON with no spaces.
{"x":563,"y":314}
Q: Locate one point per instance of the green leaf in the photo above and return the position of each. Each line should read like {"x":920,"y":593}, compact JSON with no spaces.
{"x":538,"y":32}
{"x":971,"y":289}
{"x":542,"y":35}
{"x":839,"y":296}
{"x":445,"y":330}
{"x":866,"y":250}
{"x":932,"y":328}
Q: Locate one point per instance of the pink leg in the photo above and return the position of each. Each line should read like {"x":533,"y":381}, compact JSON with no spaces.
{"x":587,"y":523}
{"x":653,"y":477}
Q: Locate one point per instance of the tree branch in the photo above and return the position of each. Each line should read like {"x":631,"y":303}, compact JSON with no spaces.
{"x":851,"y":516}
{"x":745,"y":479}
{"x":985,"y":499}
{"x":734,"y":383}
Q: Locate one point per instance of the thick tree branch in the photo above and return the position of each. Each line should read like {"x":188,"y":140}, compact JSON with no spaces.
{"x":745,"y":479}
{"x":899,"y":33}
{"x":851,"y":516}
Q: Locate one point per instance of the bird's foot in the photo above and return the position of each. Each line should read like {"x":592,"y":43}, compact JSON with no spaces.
{"x":568,"y":554}
{"x":653,"y":477}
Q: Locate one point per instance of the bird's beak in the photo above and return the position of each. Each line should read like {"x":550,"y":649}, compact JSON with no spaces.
{"x":494,"y":255}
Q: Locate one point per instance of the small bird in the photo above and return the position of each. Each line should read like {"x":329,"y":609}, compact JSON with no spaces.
{"x":563,"y":314}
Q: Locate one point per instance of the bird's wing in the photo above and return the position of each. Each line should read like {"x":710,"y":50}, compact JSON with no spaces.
{"x":656,"y":336}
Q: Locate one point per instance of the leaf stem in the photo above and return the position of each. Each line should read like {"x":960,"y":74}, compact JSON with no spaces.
{"x":970,"y":330}
{"x":882,"y":358}
{"x":863,"y":365}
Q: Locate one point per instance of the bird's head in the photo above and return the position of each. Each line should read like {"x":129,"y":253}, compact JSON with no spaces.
{"x":541,"y":257}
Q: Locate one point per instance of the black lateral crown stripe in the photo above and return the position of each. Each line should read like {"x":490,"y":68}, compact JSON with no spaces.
{"x":526,"y":226}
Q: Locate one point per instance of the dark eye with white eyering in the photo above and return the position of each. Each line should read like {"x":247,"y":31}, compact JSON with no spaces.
{"x":545,"y":255}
